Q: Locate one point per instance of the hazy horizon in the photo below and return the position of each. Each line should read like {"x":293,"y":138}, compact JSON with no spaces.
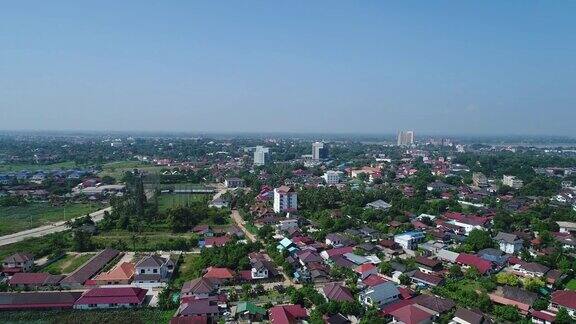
{"x":447,"y":67}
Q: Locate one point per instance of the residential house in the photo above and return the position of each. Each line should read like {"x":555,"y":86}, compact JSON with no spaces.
{"x":198,"y":288}
{"x":514,"y":296}
{"x":77,"y":278}
{"x":337,"y":240}
{"x":111,"y":297}
{"x":153,"y":269}
{"x":379,"y":204}
{"x":509,"y":243}
{"x":234,"y":183}
{"x":120,"y":275}
{"x":249,"y":312}
{"x":467,"y":316}
{"x":530,"y":269}
{"x":409,"y":240}
{"x":428,"y":265}
{"x":470,"y":260}
{"x":32,"y":280}
{"x":287,"y":314}
{"x":18,"y":262}
{"x":366,"y":269}
{"x":38,"y":300}
{"x":413,"y":314}
{"x":337,"y":292}
{"x":219,"y":275}
{"x":564,"y":299}
{"x":379,"y":295}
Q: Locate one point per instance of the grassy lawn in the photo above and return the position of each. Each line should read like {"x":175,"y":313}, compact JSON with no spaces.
{"x":68,"y":264}
{"x":251,"y":228}
{"x":18,"y":218}
{"x":143,"y":315}
{"x":33,"y":167}
{"x":145,"y":241}
{"x":168,"y":201}
{"x":187,"y":270}
{"x":571,"y":285}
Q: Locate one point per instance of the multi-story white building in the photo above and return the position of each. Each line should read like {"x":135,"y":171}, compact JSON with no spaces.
{"x":260,"y":155}
{"x":479,"y":179}
{"x":405,"y":138}
{"x":319,"y":151}
{"x":285,"y":199}
{"x":332,"y":177}
{"x":512,"y":181}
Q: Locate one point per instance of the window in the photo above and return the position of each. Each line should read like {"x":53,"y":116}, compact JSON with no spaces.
{"x":155,"y":270}
{"x":142,"y":271}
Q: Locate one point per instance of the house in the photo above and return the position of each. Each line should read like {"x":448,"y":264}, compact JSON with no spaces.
{"x":426,"y":279}
{"x":496,"y":256}
{"x":18,"y":262}
{"x":409,"y":240}
{"x":567,"y":227}
{"x":467,"y":316}
{"x":120,"y":275}
{"x":379,"y":204}
{"x":335,"y":319}
{"x":77,"y":278}
{"x":32,"y":280}
{"x":447,"y":256}
{"x":287,"y":314}
{"x":379,"y":295}
{"x":247,"y":311}
{"x":153,"y":269}
{"x":366,"y":269}
{"x":285,"y":199}
{"x":111,"y":297}
{"x":530,"y":269}
{"x":203,"y":230}
{"x":219,"y":203}
{"x":38,"y":300}
{"x":509,"y":243}
{"x":210,"y":242}
{"x":564,"y":299}
{"x":337,"y":240}
{"x":198,"y":288}
{"x":514,"y":296}
{"x":219,"y":274}
{"x":234,"y":183}
{"x":413,"y":314}
{"x":428,"y":265}
{"x":470,"y":260}
{"x":287,"y":244}
{"x":542,"y":317}
{"x":197,"y":311}
{"x":337,"y":292}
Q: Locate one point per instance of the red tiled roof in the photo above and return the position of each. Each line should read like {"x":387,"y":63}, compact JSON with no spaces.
{"x":373,"y":280}
{"x":543,"y":316}
{"x":365,"y":267}
{"x":411,"y":314}
{"x":219,"y":273}
{"x":286,"y":314}
{"x":217,"y":241}
{"x":564,"y":298}
{"x":120,"y":295}
{"x":28,"y":278}
{"x":474,"y":261}
{"x":339,"y":251}
{"x":335,"y":291}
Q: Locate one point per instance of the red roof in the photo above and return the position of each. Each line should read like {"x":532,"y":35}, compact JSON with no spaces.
{"x":120,"y":295}
{"x":286,"y":314}
{"x":543,"y":315}
{"x":219,"y":273}
{"x":217,"y":241}
{"x":365,"y":267}
{"x":564,"y":298}
{"x":410,"y":314}
{"x":373,"y":280}
{"x":474,"y":261}
{"x":28,"y":278}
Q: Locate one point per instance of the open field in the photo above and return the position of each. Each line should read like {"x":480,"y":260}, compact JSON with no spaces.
{"x":571,"y":285}
{"x":187,"y":270}
{"x":117,"y":169}
{"x":33,"y":167}
{"x":18,"y":218}
{"x":145,"y":241}
{"x":168,"y":201}
{"x":143,"y":315}
{"x":68,"y":264}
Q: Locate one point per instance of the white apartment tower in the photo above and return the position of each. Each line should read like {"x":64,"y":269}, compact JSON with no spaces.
{"x":405,"y":138}
{"x":319,"y":151}
{"x":260,"y":155}
{"x":285,"y":199}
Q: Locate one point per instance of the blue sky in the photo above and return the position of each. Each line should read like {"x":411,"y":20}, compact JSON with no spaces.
{"x":444,"y":67}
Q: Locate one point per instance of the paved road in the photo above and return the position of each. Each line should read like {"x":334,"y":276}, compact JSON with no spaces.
{"x":46,"y":229}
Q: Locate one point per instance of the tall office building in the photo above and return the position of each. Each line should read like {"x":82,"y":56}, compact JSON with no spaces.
{"x":405,"y":138}
{"x":319,"y":151}
{"x":260,"y":155}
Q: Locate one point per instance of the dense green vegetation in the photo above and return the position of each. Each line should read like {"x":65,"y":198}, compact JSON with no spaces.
{"x":144,"y":316}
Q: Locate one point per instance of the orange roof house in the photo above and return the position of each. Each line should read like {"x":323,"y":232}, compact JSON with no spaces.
{"x":121,"y":275}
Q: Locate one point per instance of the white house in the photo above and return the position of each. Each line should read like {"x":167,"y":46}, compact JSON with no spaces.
{"x":332,"y":177}
{"x":409,"y":240}
{"x":259,"y":270}
{"x":509,"y":243}
{"x":153,"y":269}
{"x":379,"y":295}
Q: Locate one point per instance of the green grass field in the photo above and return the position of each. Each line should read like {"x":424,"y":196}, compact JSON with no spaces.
{"x":117,"y":169}
{"x":68,"y":264}
{"x":141,"y":315}
{"x":168,"y":201}
{"x":33,"y":167}
{"x":18,"y":218}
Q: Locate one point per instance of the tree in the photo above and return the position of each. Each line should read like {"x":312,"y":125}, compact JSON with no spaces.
{"x":533,"y":284}
{"x":505,"y":278}
{"x":386,"y":268}
{"x":455,"y":271}
{"x":82,"y":241}
{"x":540,"y":304}
{"x":507,"y":312}
{"x":404,"y":279}
{"x":562,"y":317}
{"x":479,"y":239}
